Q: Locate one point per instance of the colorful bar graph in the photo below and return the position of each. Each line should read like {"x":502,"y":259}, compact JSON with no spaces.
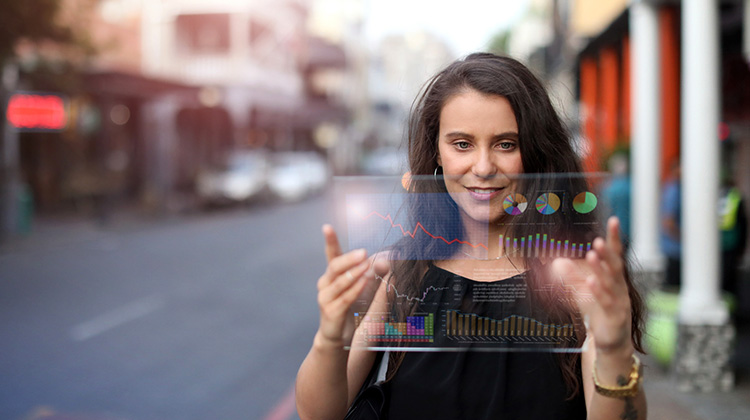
{"x":540,"y":245}
{"x":378,"y":328}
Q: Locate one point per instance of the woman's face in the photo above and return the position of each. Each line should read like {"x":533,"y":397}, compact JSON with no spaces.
{"x":478,"y":150}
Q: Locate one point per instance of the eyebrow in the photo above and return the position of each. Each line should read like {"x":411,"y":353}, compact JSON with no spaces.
{"x":460,"y":134}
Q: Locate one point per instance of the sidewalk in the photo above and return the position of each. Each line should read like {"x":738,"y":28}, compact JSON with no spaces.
{"x":665,"y":402}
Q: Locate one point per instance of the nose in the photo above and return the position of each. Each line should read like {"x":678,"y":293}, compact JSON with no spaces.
{"x":484,"y":166}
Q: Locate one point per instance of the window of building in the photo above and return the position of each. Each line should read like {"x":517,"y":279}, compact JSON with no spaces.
{"x":203,"y":33}
{"x":258,"y":31}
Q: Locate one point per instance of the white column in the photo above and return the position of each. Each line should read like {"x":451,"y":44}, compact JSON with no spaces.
{"x":646,"y":140}
{"x":699,"y":297}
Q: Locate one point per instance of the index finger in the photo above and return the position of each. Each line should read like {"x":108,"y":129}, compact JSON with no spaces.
{"x":613,"y":235}
{"x":333,"y":249}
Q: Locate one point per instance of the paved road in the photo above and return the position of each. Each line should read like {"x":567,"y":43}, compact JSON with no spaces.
{"x":204,"y":317}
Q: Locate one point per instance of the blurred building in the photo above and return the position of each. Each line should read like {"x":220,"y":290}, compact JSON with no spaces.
{"x":175,"y":86}
{"x":255,"y":70}
{"x":542,"y":39}
{"x":341,"y":23}
{"x":404,"y":62}
{"x":666,"y":81}
{"x":531,"y":34}
{"x":102,"y":156}
{"x":601,"y":34}
{"x":400,"y":66}
{"x":378,"y":85}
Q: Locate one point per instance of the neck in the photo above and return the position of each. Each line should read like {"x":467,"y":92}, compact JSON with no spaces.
{"x":487,"y":234}
{"x":484,"y":264}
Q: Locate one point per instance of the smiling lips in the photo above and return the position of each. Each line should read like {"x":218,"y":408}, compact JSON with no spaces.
{"x":483,"y":194}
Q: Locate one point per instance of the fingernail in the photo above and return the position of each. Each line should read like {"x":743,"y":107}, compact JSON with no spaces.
{"x":360,"y":253}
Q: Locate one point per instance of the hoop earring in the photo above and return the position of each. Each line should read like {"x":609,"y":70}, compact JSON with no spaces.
{"x":435,"y":174}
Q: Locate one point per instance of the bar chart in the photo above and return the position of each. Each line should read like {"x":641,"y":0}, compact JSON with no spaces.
{"x":541,"y":245}
{"x":378,"y":328}
{"x":467,"y":326}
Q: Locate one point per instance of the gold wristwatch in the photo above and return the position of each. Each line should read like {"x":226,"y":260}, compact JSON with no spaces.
{"x":628,"y":390}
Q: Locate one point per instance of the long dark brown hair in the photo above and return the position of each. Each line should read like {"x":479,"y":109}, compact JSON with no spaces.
{"x":546,"y":148}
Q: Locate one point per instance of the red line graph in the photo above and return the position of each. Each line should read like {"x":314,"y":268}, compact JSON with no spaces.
{"x":419,"y":226}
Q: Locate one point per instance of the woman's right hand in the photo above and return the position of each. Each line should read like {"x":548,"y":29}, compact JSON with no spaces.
{"x":345,"y":278}
{"x":330,"y":376}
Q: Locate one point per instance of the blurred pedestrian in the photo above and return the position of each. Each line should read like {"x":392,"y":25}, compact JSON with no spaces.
{"x":733,"y":224}
{"x":670,"y":224}
{"x":617,"y":193}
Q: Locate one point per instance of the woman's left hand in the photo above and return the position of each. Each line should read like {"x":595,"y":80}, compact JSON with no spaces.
{"x":602,"y":290}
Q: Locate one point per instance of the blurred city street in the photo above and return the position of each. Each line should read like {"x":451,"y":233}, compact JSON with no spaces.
{"x":202,"y":317}
{"x":166,"y":166}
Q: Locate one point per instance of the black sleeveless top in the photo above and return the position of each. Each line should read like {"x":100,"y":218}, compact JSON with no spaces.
{"x":480,"y":385}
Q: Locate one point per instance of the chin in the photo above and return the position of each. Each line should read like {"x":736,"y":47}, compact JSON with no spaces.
{"x":479,"y":211}
{"x":477,"y":214}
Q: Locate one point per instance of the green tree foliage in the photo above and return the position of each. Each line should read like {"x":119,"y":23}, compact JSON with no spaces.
{"x":60,"y":23}
{"x":35,"y":20}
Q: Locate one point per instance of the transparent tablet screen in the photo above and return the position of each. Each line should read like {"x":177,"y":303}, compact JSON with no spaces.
{"x":469,"y":268}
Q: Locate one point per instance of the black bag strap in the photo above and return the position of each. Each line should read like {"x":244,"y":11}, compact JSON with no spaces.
{"x":370,"y":399}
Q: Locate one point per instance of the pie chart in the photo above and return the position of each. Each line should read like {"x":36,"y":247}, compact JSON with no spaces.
{"x":515,"y":204}
{"x":584,"y":202}
{"x":547,"y":203}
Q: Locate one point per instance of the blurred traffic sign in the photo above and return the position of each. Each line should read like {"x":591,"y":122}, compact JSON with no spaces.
{"x":29,"y":111}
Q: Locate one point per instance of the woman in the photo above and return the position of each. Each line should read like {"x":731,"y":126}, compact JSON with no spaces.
{"x":481,"y":121}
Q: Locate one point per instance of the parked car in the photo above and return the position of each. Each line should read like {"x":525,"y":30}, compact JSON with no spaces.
{"x":242,"y":177}
{"x":295,"y":175}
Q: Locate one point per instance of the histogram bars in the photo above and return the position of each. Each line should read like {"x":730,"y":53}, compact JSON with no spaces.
{"x":377,"y":328}
{"x":462,"y":325}
{"x":539,"y":246}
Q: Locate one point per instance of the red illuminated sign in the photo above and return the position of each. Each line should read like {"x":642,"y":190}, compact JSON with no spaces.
{"x":36,"y":112}
{"x":723,"y":131}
